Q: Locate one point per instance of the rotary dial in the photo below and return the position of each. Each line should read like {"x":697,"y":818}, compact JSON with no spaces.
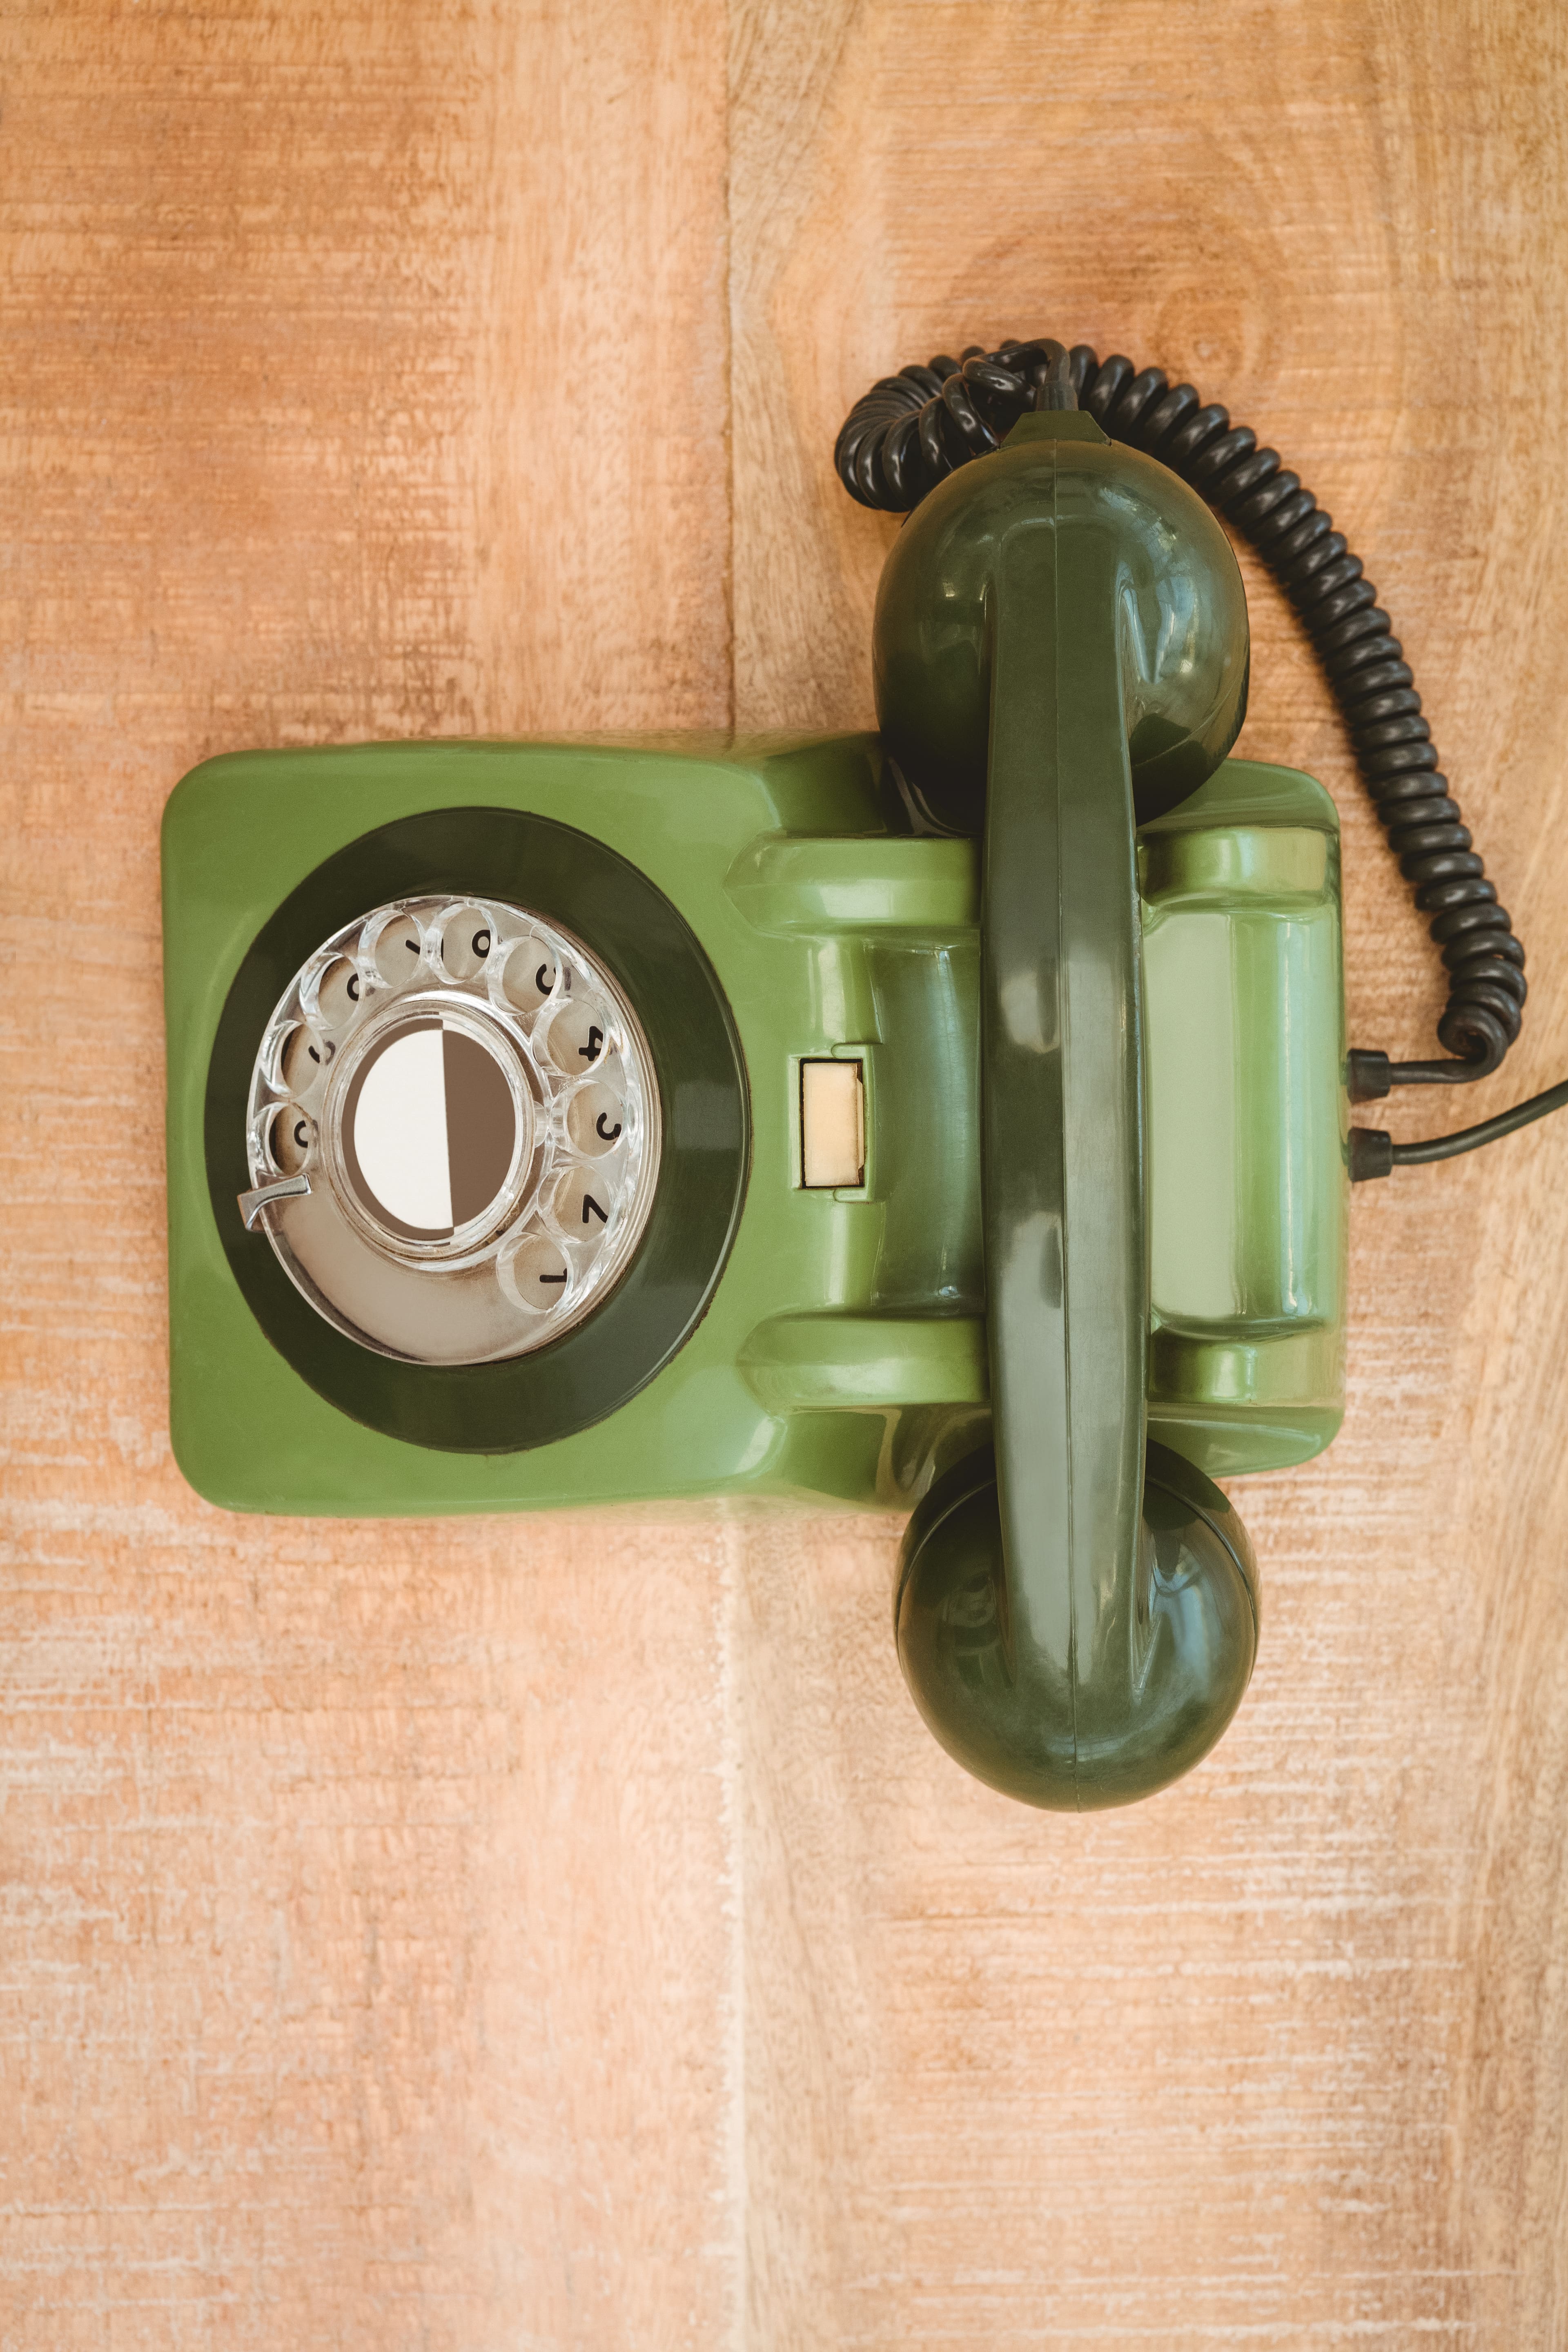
{"x":453,"y":1131}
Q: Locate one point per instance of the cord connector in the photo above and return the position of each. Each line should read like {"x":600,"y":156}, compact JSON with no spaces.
{"x":1371,"y":1075}
{"x":1372,"y":1153}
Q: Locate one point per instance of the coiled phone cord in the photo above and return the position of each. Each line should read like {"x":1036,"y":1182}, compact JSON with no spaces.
{"x":912,"y":429}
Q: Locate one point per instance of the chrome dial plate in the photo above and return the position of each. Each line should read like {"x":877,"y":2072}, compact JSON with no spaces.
{"x":470,"y":1098}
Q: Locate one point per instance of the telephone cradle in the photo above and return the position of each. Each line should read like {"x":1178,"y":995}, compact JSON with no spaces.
{"x":953,"y":1121}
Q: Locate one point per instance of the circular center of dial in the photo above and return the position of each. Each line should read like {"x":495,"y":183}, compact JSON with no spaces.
{"x":432,"y":1129}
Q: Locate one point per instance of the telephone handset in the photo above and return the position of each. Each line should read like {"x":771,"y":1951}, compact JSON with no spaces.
{"x":1061,"y":654}
{"x":954,"y":1119}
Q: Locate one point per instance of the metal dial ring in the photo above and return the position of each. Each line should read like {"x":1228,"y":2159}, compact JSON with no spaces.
{"x":471,"y":1097}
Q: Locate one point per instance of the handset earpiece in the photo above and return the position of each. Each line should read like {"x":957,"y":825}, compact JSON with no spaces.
{"x":1062,"y":653}
{"x":1185,"y":1626}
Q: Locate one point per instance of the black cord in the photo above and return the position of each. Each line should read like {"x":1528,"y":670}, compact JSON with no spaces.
{"x":1374,"y":1153}
{"x":1469,"y":1139}
{"x":912,"y":429}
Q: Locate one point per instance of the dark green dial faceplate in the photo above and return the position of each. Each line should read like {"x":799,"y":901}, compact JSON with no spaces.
{"x":574,"y":881}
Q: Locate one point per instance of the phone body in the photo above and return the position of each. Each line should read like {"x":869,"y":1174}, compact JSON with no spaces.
{"x":829,"y":1347}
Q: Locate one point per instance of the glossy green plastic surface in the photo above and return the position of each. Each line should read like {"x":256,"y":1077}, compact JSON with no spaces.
{"x":1244,"y":1061}
{"x":1065,"y":620}
{"x":535,"y":1399}
{"x":844,"y":1341}
{"x":1143,"y":629}
{"x":1175,"y":1644}
{"x":842,"y":1355}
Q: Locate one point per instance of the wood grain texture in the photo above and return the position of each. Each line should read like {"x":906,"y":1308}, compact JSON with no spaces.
{"x":468,"y":1935}
{"x":364,"y":1976}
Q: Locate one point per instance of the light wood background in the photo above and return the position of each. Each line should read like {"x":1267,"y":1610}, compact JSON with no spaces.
{"x":503,"y":1935}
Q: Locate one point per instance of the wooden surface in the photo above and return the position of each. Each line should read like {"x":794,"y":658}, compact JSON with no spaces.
{"x":479,"y":1935}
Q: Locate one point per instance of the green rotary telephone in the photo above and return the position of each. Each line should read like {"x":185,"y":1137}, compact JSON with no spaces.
{"x":954,"y":1119}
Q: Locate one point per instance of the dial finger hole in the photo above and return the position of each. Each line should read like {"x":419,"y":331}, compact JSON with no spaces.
{"x":288,"y":1140}
{"x":466,"y":939}
{"x":305,"y":1058}
{"x":535,"y":1274}
{"x":580,"y":1205}
{"x":397,"y":950}
{"x":576,"y":1039}
{"x":338,"y":996}
{"x":596,"y":1119}
{"x":529,"y":975}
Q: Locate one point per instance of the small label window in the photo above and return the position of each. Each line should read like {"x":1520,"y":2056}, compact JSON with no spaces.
{"x":832,"y":1124}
